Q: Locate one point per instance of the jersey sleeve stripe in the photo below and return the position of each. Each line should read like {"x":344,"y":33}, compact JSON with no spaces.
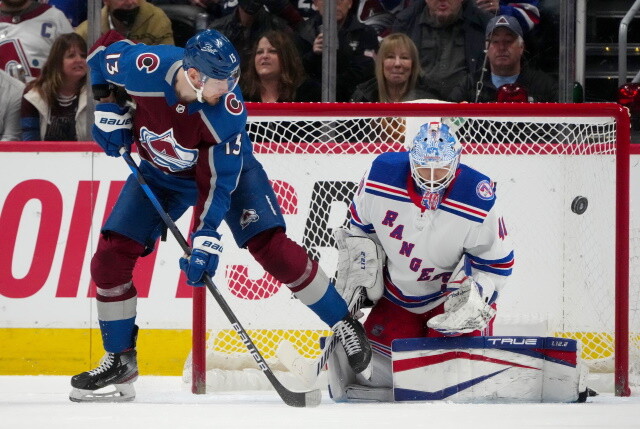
{"x":380,"y":348}
{"x":386,"y":191}
{"x":395,"y":295}
{"x":501,"y":267}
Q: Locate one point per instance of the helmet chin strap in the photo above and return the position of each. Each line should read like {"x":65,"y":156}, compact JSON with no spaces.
{"x":197,"y":90}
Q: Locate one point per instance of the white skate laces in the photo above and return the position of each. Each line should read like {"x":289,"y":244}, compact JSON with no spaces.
{"x":355,"y":344}
{"x":105,"y":364}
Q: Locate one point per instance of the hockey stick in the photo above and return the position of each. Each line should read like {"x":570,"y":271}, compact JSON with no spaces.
{"x":300,"y":366}
{"x":294,"y":399}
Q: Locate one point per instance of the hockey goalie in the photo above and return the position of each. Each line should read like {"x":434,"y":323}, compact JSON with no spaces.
{"x":448,"y":256}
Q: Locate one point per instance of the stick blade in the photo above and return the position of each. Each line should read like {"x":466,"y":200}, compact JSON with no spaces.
{"x":298,"y":365}
{"x":312,"y":398}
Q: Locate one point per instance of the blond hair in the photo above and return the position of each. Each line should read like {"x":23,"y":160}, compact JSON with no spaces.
{"x":389,"y":44}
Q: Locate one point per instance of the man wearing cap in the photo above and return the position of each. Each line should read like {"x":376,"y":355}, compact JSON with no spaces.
{"x":505,"y":47}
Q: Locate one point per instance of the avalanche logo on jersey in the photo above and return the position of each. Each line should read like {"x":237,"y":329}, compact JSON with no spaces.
{"x":165,"y":150}
{"x":233,"y":105}
{"x":148,"y":62}
{"x":248,"y":216}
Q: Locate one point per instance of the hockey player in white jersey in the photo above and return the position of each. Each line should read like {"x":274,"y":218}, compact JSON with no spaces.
{"x":448,"y":253}
{"x":27,"y":30}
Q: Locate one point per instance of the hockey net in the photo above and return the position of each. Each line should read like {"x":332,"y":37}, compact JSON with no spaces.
{"x":572,"y":270}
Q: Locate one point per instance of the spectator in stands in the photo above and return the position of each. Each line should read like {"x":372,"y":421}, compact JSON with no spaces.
{"x":74,"y":10}
{"x":247,"y":24}
{"x":11,"y":90}
{"x":505,"y":47}
{"x":275,"y":73}
{"x":215,"y":8}
{"x":379,"y":14}
{"x":28,"y":29}
{"x":397,"y":73}
{"x":136,"y":20}
{"x":54,"y":105}
{"x":357,"y":47}
{"x":526,"y":11}
{"x":219,"y":8}
{"x":449,"y":35}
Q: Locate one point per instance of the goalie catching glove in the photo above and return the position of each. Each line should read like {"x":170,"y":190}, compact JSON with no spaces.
{"x":360,"y":262}
{"x":112,"y":128}
{"x":466,"y":310}
{"x":204,"y":257}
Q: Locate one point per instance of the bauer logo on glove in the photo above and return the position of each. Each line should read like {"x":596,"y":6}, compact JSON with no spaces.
{"x":112,"y":128}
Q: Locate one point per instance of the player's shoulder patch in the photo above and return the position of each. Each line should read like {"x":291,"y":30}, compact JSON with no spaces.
{"x":233,"y":104}
{"x":484,"y":190}
{"x":147,"y":62}
{"x":472,"y":195}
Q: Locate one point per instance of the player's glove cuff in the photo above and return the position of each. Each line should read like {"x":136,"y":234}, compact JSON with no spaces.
{"x":112,"y":128}
{"x":204,"y":257}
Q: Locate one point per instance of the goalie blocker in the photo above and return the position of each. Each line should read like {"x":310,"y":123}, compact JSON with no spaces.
{"x":476,"y":370}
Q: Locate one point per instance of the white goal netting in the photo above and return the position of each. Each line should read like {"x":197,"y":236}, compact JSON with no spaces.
{"x":543,"y":158}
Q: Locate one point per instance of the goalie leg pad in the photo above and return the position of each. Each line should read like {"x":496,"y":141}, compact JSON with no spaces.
{"x":346,"y":386}
{"x":488,"y":369}
{"x":339,"y":374}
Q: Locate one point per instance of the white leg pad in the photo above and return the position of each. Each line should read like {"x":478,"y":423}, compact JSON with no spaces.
{"x":488,"y":369}
{"x":339,"y":374}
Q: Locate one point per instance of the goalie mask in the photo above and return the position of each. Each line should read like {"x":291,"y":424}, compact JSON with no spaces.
{"x":434,"y":157}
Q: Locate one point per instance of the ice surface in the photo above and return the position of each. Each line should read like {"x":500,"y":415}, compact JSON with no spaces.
{"x":36,"y":402}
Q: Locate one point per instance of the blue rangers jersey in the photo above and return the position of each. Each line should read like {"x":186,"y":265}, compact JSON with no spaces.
{"x":198,"y":140}
{"x":424,"y":247}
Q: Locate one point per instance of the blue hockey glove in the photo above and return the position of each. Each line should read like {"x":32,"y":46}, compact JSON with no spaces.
{"x":112,"y":128}
{"x":204,"y":257}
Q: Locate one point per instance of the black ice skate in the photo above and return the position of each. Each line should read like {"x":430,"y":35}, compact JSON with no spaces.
{"x":355,"y":344}
{"x":116,"y":373}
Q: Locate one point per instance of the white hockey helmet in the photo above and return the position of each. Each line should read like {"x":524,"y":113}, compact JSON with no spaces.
{"x":434,"y":156}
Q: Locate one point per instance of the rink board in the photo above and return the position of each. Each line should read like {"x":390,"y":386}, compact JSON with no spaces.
{"x":53,"y":203}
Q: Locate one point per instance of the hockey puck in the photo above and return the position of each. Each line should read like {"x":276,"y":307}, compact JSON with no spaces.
{"x":579,"y":205}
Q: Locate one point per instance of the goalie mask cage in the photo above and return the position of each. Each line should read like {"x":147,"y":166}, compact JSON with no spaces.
{"x":572,"y":267}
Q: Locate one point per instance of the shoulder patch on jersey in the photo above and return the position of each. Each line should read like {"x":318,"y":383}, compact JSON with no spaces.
{"x":148,"y":62}
{"x":233,"y":105}
{"x":484,"y":190}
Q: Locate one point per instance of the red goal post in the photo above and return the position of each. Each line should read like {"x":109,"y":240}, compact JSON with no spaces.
{"x":542,"y":157}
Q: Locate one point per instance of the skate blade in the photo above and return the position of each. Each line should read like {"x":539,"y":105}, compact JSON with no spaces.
{"x":120,"y":393}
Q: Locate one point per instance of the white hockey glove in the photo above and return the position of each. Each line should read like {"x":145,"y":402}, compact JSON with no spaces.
{"x":360,"y":262}
{"x":465,"y":310}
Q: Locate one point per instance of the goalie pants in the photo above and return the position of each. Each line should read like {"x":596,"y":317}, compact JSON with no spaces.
{"x":388,"y":321}
{"x":255,"y":220}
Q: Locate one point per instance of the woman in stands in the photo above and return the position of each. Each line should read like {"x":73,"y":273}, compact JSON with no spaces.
{"x":275,"y":73}
{"x":397,"y":73}
{"x":54,"y":104}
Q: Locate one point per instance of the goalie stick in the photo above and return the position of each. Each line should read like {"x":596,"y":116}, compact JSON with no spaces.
{"x":294,"y":399}
{"x":300,"y":366}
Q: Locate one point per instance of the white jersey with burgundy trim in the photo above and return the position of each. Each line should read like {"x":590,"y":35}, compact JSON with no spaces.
{"x":26,"y":39}
{"x":424,"y":247}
